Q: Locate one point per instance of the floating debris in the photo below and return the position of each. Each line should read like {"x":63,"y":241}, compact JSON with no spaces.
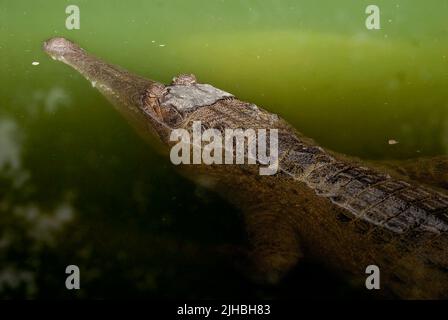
{"x":392,"y":141}
{"x":161,"y":45}
{"x":35,"y":63}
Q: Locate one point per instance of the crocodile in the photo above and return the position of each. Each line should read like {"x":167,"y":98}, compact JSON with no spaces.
{"x":322,"y":205}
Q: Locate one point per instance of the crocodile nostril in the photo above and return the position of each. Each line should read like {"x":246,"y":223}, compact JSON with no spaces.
{"x":57,"y":47}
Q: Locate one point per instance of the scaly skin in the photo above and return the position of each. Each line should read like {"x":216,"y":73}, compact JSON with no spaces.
{"x":320,"y":204}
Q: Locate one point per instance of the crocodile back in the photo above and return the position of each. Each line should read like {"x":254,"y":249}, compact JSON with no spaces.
{"x":350,"y":214}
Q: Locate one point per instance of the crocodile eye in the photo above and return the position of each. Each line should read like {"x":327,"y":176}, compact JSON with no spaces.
{"x":155,"y":91}
{"x":184,"y":80}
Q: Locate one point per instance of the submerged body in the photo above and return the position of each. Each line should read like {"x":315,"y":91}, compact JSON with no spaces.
{"x":319,"y":204}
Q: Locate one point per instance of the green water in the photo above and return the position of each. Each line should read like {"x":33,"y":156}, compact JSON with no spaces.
{"x":77,"y":186}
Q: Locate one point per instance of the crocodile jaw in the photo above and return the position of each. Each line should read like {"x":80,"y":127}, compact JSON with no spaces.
{"x":125,"y":90}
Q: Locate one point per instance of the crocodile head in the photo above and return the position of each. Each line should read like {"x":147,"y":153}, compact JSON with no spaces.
{"x":135,"y":97}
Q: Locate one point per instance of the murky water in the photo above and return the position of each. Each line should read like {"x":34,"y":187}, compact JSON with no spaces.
{"x":77,"y":186}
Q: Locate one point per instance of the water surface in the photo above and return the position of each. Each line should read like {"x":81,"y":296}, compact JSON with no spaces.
{"x":77,"y":185}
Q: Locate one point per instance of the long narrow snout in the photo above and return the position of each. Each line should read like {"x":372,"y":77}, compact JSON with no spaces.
{"x":126,"y":91}
{"x":123,"y":88}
